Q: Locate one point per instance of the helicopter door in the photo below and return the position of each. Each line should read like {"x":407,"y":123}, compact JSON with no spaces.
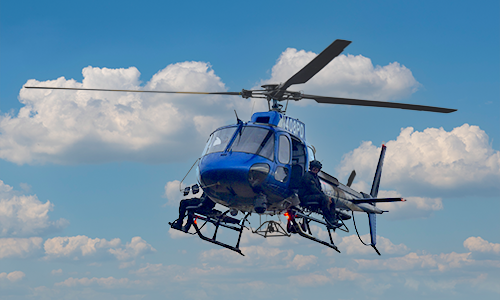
{"x":298,"y":163}
{"x":282,"y":173}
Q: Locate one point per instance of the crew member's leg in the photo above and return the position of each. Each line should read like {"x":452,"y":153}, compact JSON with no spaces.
{"x":328,"y":209}
{"x":324,"y":204}
{"x":182,"y":211}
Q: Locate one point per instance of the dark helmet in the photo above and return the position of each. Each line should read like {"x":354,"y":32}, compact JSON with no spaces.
{"x":315,"y":164}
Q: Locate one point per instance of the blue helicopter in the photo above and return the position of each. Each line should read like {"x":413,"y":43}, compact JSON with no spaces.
{"x":255,"y":167}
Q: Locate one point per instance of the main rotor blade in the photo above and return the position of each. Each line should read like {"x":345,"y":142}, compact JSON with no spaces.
{"x":347,"y":101}
{"x":134,"y":91}
{"x":317,"y":64}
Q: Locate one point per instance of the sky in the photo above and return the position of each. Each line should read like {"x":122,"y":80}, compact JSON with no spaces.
{"x":89,"y":180}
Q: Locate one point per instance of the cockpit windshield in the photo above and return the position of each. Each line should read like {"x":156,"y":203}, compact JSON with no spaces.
{"x":218,"y":140}
{"x":255,"y":140}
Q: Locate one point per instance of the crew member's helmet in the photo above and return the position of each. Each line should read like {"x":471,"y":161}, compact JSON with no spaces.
{"x":315,"y":164}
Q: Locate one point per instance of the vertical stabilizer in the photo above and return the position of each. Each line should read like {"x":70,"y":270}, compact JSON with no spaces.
{"x":378,"y":173}
{"x":372,"y":218}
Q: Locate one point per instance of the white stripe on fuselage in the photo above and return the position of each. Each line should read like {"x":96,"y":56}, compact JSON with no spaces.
{"x":343,"y":194}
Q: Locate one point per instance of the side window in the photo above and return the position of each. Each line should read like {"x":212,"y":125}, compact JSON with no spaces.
{"x":284,"y":150}
{"x":311,"y":153}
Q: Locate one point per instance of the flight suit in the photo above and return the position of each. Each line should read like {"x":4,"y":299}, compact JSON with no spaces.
{"x":310,"y":191}
{"x":206,"y":205}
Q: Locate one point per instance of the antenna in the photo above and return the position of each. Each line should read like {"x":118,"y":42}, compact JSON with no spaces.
{"x":237,"y":119}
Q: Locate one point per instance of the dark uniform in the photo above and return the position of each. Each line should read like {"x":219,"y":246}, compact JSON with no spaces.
{"x":310,"y":191}
{"x":206,"y":205}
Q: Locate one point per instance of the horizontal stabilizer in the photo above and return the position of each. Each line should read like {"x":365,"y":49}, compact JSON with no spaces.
{"x":374,"y":200}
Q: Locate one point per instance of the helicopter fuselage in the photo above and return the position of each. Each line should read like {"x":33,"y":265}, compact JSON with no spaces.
{"x":257,"y":166}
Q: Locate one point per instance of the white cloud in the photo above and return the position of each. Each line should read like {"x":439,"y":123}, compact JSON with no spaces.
{"x":176,"y":234}
{"x":26,"y":215}
{"x":12,"y":276}
{"x":343,"y":274}
{"x":301,"y":262}
{"x":351,"y":245}
{"x":109,"y":283}
{"x":19,"y":247}
{"x":173,"y":192}
{"x":158,"y":270}
{"x":78,"y":247}
{"x":254,"y":255}
{"x":331,"y":276}
{"x":70,"y":127}
{"x":414,"y":207}
{"x":56,"y":272}
{"x":441,"y":262}
{"x":4,"y":189}
{"x":347,"y":76}
{"x":432,"y":162}
{"x":22,"y":215}
{"x":310,"y":280}
{"x":137,"y":247}
{"x":480,"y":245}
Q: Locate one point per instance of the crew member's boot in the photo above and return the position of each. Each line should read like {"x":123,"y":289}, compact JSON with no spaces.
{"x":330,"y":218}
{"x":189,"y":222}
{"x":177,"y":224}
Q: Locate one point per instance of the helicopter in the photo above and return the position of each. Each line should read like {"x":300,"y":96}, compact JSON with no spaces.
{"x":255,"y":167}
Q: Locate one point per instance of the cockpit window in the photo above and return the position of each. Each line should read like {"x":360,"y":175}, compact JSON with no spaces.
{"x":218,"y":140}
{"x":254,"y":140}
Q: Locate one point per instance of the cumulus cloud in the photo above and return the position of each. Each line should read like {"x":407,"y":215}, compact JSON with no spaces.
{"x":80,"y":247}
{"x":352,"y":245}
{"x":480,"y":245}
{"x":22,"y":215}
{"x":12,"y":276}
{"x":137,"y":247}
{"x":347,"y":76}
{"x":414,"y":207}
{"x":173,"y":192}
{"x":432,"y":162}
{"x":69,"y":127}
{"x":19,"y":247}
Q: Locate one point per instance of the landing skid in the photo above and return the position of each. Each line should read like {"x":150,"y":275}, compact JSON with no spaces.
{"x":302,"y":228}
{"x":298,"y":222}
{"x":218,"y":219}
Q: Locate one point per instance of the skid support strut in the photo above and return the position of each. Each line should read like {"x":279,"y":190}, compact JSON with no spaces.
{"x":304,"y":230}
{"x":218,"y":219}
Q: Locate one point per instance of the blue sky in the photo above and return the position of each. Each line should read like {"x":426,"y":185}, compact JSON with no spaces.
{"x":86,"y":188}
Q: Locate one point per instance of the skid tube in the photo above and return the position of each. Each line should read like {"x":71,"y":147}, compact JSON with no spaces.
{"x":219,"y":221}
{"x":292,"y":214}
